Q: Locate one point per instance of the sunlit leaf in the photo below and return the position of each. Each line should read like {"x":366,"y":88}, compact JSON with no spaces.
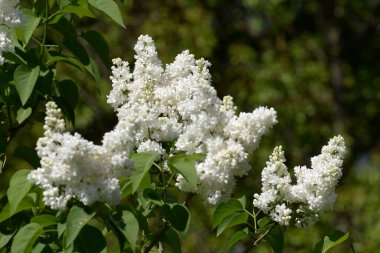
{"x":142,"y":163}
{"x":26,"y":237}
{"x":79,"y":8}
{"x":130,"y":228}
{"x":19,"y":187}
{"x":232,"y":220}
{"x":185,"y":165}
{"x":25,"y":80}
{"x":27,"y":27}
{"x":44,"y":220}
{"x":23,"y":114}
{"x":225,"y":209}
{"x":76,"y":220}
{"x":5,"y":238}
{"x":330,"y":241}
{"x":264,"y":221}
{"x":110,"y":8}
{"x":26,"y":203}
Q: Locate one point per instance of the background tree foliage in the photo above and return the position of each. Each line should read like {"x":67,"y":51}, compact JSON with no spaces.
{"x":315,"y":62}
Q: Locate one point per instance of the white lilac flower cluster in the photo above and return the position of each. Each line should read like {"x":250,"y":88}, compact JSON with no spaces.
{"x":72,"y":167}
{"x":9,"y":18}
{"x":178,"y":104}
{"x":157,"y":108}
{"x":312,"y":194}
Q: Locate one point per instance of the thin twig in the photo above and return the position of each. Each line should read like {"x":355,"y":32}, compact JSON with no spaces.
{"x":259,"y":238}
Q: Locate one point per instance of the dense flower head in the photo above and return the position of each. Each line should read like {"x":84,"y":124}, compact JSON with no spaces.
{"x":312,"y":194}
{"x":72,"y":167}
{"x":178,"y":104}
{"x":155,"y":106}
{"x":10,"y":17}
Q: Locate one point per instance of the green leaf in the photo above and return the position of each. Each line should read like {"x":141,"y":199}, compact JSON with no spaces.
{"x":5,"y":238}
{"x":26,"y":237}
{"x":90,"y":240}
{"x":42,"y":248}
{"x":75,"y":47}
{"x":27,"y":27}
{"x":28,"y":154}
{"x":142,"y":163}
{"x":93,"y":70}
{"x":44,"y":220}
{"x":185,"y":165}
{"x":63,"y":3}
{"x":76,"y":220}
{"x":61,"y":228}
{"x":19,"y":186}
{"x":232,"y":220}
{"x":171,"y":239}
{"x":275,"y":238}
{"x":79,"y":8}
{"x":127,"y":190}
{"x":25,"y":80}
{"x":68,"y":59}
{"x":69,"y":91}
{"x":330,"y":241}
{"x":225,"y":209}
{"x":66,"y":108}
{"x":264,"y":221}
{"x":151,"y":195}
{"x":23,"y":114}
{"x":14,"y":57}
{"x":243,"y":201}
{"x":178,"y":215}
{"x":238,"y":236}
{"x":110,"y":8}
{"x":26,"y":203}
{"x":129,"y":228}
{"x":99,"y":44}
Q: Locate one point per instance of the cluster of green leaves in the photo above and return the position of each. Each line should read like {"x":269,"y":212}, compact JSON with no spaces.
{"x":47,"y":38}
{"x":255,"y":227}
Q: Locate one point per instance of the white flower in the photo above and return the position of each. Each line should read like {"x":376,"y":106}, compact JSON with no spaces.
{"x":314,"y":191}
{"x":150,"y":146}
{"x":9,"y":18}
{"x":178,"y":104}
{"x":9,"y":15}
{"x":5,"y":43}
{"x":72,"y":167}
{"x":281,"y":214}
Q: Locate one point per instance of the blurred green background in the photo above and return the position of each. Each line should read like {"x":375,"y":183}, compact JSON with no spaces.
{"x":316,"y":62}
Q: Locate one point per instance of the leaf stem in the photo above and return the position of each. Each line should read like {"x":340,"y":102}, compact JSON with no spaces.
{"x":45,"y":26}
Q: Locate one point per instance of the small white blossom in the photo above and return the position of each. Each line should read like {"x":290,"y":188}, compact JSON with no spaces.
{"x":150,"y":146}
{"x":281,"y":214}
